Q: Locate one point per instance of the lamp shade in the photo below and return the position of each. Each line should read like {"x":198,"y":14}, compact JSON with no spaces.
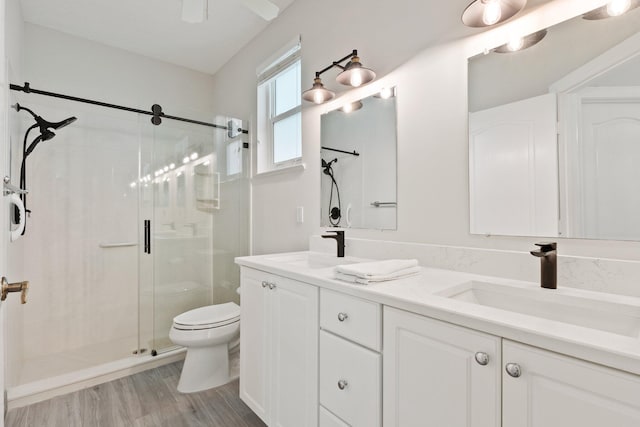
{"x":523,"y":43}
{"x":318,"y":94}
{"x":613,"y":8}
{"x":484,"y":13}
{"x":355,"y":74}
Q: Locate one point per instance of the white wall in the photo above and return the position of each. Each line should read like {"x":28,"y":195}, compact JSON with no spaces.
{"x":58,"y":62}
{"x":432,"y":124}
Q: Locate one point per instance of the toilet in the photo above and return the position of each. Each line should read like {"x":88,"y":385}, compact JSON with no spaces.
{"x":206,"y":332}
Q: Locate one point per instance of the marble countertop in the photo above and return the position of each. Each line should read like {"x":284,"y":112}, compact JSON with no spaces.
{"x":419,"y":294}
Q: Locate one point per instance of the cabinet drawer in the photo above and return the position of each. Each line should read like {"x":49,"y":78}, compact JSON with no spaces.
{"x":327,"y":419}
{"x":350,"y":317}
{"x":350,"y":381}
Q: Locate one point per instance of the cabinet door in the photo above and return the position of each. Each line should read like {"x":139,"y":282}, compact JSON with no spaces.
{"x":254,"y":342}
{"x":294,"y":330}
{"x":559,"y":391}
{"x":431,"y":376}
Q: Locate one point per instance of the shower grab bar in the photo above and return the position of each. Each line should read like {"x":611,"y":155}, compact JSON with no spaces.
{"x":12,"y":189}
{"x":117,"y":245}
{"x":384,"y":204}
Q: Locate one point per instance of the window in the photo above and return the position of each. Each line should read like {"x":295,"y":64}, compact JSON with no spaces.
{"x":279,"y":112}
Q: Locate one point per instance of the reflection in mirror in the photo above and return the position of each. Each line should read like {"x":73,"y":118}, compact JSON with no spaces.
{"x":554,"y":134}
{"x":358,"y":174}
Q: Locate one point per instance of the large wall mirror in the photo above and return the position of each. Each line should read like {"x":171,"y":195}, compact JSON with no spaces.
{"x":554,"y":133}
{"x":358,"y":174}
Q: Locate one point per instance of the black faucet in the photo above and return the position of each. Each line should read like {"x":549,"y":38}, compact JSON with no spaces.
{"x":339,"y":236}
{"x":548,"y":264}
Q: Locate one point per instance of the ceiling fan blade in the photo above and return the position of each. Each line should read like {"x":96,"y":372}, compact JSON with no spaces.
{"x":263,"y":8}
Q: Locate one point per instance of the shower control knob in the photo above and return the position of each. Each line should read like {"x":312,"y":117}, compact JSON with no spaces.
{"x":342,"y":384}
{"x":482,"y":358}
{"x":272,"y":286}
{"x":513,"y":369}
{"x":265,"y":284}
{"x":342,"y":316}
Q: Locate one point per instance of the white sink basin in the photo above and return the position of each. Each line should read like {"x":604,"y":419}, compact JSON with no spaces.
{"x":311,"y":260}
{"x":609,"y":313}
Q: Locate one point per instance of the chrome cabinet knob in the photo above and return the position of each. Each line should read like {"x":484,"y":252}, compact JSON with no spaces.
{"x":342,"y":316}
{"x":482,"y":358}
{"x":342,"y":384}
{"x":265,"y":284}
{"x":513,"y":369}
{"x":272,"y":286}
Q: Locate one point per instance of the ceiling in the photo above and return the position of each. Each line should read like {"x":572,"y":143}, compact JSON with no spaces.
{"x":154,"y":28}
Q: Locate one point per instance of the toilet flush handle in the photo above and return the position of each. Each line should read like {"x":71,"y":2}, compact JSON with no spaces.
{"x":21,"y":287}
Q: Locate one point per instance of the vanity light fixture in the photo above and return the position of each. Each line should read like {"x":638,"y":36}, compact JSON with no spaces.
{"x":485,"y":13}
{"x":353,"y":74}
{"x":318,"y":94}
{"x":521,"y":43}
{"x":611,"y":9}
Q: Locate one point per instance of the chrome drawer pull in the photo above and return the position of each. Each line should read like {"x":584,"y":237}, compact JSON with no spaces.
{"x":342,"y":384}
{"x":513,"y":369}
{"x":342,"y":316}
{"x":482,"y":358}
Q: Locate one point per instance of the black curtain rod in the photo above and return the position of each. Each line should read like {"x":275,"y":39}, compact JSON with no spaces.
{"x":353,"y":153}
{"x":156,"y":110}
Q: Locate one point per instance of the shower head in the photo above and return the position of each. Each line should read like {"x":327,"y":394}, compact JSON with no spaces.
{"x":327,"y":166}
{"x":45,"y":127}
{"x":56,"y":125}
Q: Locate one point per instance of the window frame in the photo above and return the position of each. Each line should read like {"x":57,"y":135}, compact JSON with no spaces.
{"x":266,"y":107}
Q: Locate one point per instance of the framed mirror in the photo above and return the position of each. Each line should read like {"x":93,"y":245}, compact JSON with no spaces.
{"x":554,"y":133}
{"x":358,"y":174}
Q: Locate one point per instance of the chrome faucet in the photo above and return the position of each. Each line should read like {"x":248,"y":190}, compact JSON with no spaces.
{"x":339,"y":237}
{"x":548,"y":264}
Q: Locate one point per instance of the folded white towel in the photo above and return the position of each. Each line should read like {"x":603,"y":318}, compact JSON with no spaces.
{"x":401,"y":274}
{"x":367,"y":270}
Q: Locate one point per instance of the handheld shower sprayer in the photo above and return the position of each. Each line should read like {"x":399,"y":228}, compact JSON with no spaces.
{"x":335,"y":213}
{"x":46,"y":133}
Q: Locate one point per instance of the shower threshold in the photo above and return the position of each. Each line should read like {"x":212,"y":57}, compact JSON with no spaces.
{"x":39,"y":390}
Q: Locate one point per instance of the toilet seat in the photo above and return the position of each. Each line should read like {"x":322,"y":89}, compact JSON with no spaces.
{"x":208,"y":317}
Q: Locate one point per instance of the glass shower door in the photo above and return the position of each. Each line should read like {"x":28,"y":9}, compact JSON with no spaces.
{"x":178,"y":203}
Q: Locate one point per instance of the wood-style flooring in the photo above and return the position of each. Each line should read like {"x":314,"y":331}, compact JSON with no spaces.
{"x":147,"y":399}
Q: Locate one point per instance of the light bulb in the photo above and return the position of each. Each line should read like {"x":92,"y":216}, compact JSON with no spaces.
{"x":185,"y":160}
{"x":172,"y":166}
{"x":492,"y":12}
{"x":194,"y":156}
{"x":386,"y":93}
{"x":132,"y":185}
{"x":618,"y":7}
{"x":356,"y":78}
{"x":318,"y":98}
{"x":515,"y":44}
{"x":347,"y":108}
{"x":166,"y":169}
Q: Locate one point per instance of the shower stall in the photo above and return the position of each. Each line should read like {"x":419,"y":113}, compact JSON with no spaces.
{"x":131,"y":224}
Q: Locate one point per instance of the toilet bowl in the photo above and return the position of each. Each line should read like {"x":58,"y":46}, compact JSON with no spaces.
{"x":206,"y":333}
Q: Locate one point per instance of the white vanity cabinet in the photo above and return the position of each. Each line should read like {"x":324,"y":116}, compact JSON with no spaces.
{"x":350,"y":361}
{"x":279,"y":341}
{"x":439,"y":374}
{"x":553,"y":390}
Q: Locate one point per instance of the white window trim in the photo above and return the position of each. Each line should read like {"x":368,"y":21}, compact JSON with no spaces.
{"x":284,"y":59}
